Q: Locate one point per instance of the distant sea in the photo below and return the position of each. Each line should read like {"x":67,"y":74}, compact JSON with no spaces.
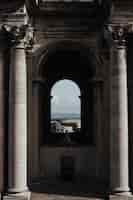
{"x":65,"y":116}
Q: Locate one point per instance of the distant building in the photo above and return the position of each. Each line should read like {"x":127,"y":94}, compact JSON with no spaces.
{"x":56,"y":127}
{"x":68,"y":129}
{"x":73,"y":123}
{"x":65,"y":126}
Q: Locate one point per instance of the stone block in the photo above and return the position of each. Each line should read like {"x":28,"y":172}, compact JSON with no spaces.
{"x":24,"y":196}
{"x":14,"y":198}
{"x":121,"y":197}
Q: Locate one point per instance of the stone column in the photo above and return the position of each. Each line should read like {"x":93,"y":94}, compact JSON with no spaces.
{"x":2,"y":110}
{"x":98,"y":84}
{"x":119,"y":180}
{"x":35,"y":167}
{"x":1,"y":119}
{"x":87,"y":113}
{"x":17,"y":139}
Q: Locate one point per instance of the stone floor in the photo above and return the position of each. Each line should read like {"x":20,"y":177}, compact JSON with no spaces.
{"x":39,"y":196}
{"x":81,"y":190}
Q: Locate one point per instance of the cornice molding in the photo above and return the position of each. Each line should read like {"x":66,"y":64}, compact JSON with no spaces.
{"x":96,"y":9}
{"x":10,"y":6}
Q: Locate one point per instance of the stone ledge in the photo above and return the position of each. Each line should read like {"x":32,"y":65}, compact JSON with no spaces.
{"x":120,"y":197}
{"x":21,"y":196}
{"x":13,"y":198}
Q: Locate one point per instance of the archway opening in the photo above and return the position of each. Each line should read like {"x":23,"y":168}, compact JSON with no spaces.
{"x":65,"y":85}
{"x":65,"y":107}
{"x":75,"y":67}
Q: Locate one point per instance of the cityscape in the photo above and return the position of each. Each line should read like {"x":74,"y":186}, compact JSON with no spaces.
{"x":65,"y":123}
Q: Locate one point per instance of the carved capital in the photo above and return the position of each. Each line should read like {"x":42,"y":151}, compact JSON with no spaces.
{"x":13,"y":33}
{"x":29,"y":37}
{"x":119,"y":32}
{"x":16,"y":35}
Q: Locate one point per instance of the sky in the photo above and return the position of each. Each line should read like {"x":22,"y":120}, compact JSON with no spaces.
{"x":65,"y":97}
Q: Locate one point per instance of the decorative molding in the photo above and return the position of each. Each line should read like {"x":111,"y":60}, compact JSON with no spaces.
{"x":10,"y":6}
{"x":14,"y":34}
{"x":29,"y":37}
{"x":119,"y":32}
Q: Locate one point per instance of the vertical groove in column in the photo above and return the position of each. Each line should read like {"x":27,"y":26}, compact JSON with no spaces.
{"x":1,"y":120}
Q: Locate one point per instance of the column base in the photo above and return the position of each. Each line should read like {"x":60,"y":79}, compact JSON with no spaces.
{"x":17,"y":196}
{"x":119,"y":190}
{"x":17,"y":191}
{"x":121,"y":196}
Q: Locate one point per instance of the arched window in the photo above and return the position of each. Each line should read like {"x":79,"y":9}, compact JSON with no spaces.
{"x":65,"y":108}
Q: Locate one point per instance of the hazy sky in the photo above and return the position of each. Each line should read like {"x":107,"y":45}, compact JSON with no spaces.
{"x":65,"y":97}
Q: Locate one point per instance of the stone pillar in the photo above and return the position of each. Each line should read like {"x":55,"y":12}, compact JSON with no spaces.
{"x":35,"y":167}
{"x":2,"y":111}
{"x":17,"y":139}
{"x":98,"y":129}
{"x":119,"y":180}
{"x":1,"y":119}
{"x":87,"y":114}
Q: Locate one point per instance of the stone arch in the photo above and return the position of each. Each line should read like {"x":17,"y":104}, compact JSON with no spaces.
{"x":75,"y":82}
{"x":86,"y":52}
{"x":90,"y":62}
{"x":69,"y":50}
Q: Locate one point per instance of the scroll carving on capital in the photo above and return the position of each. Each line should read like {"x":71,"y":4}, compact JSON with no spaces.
{"x":29,"y":37}
{"x":119,"y":32}
{"x":16,"y":35}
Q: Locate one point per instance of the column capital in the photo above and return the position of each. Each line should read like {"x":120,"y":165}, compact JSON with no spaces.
{"x":29,"y":37}
{"x":21,"y":36}
{"x":118,"y":32}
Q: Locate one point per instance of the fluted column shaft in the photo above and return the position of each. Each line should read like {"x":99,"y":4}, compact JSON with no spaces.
{"x":119,"y":120}
{"x":17,"y":139}
{"x":2,"y":117}
{"x":4,"y":46}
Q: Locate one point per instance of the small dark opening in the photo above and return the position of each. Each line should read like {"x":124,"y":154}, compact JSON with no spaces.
{"x":67,"y":168}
